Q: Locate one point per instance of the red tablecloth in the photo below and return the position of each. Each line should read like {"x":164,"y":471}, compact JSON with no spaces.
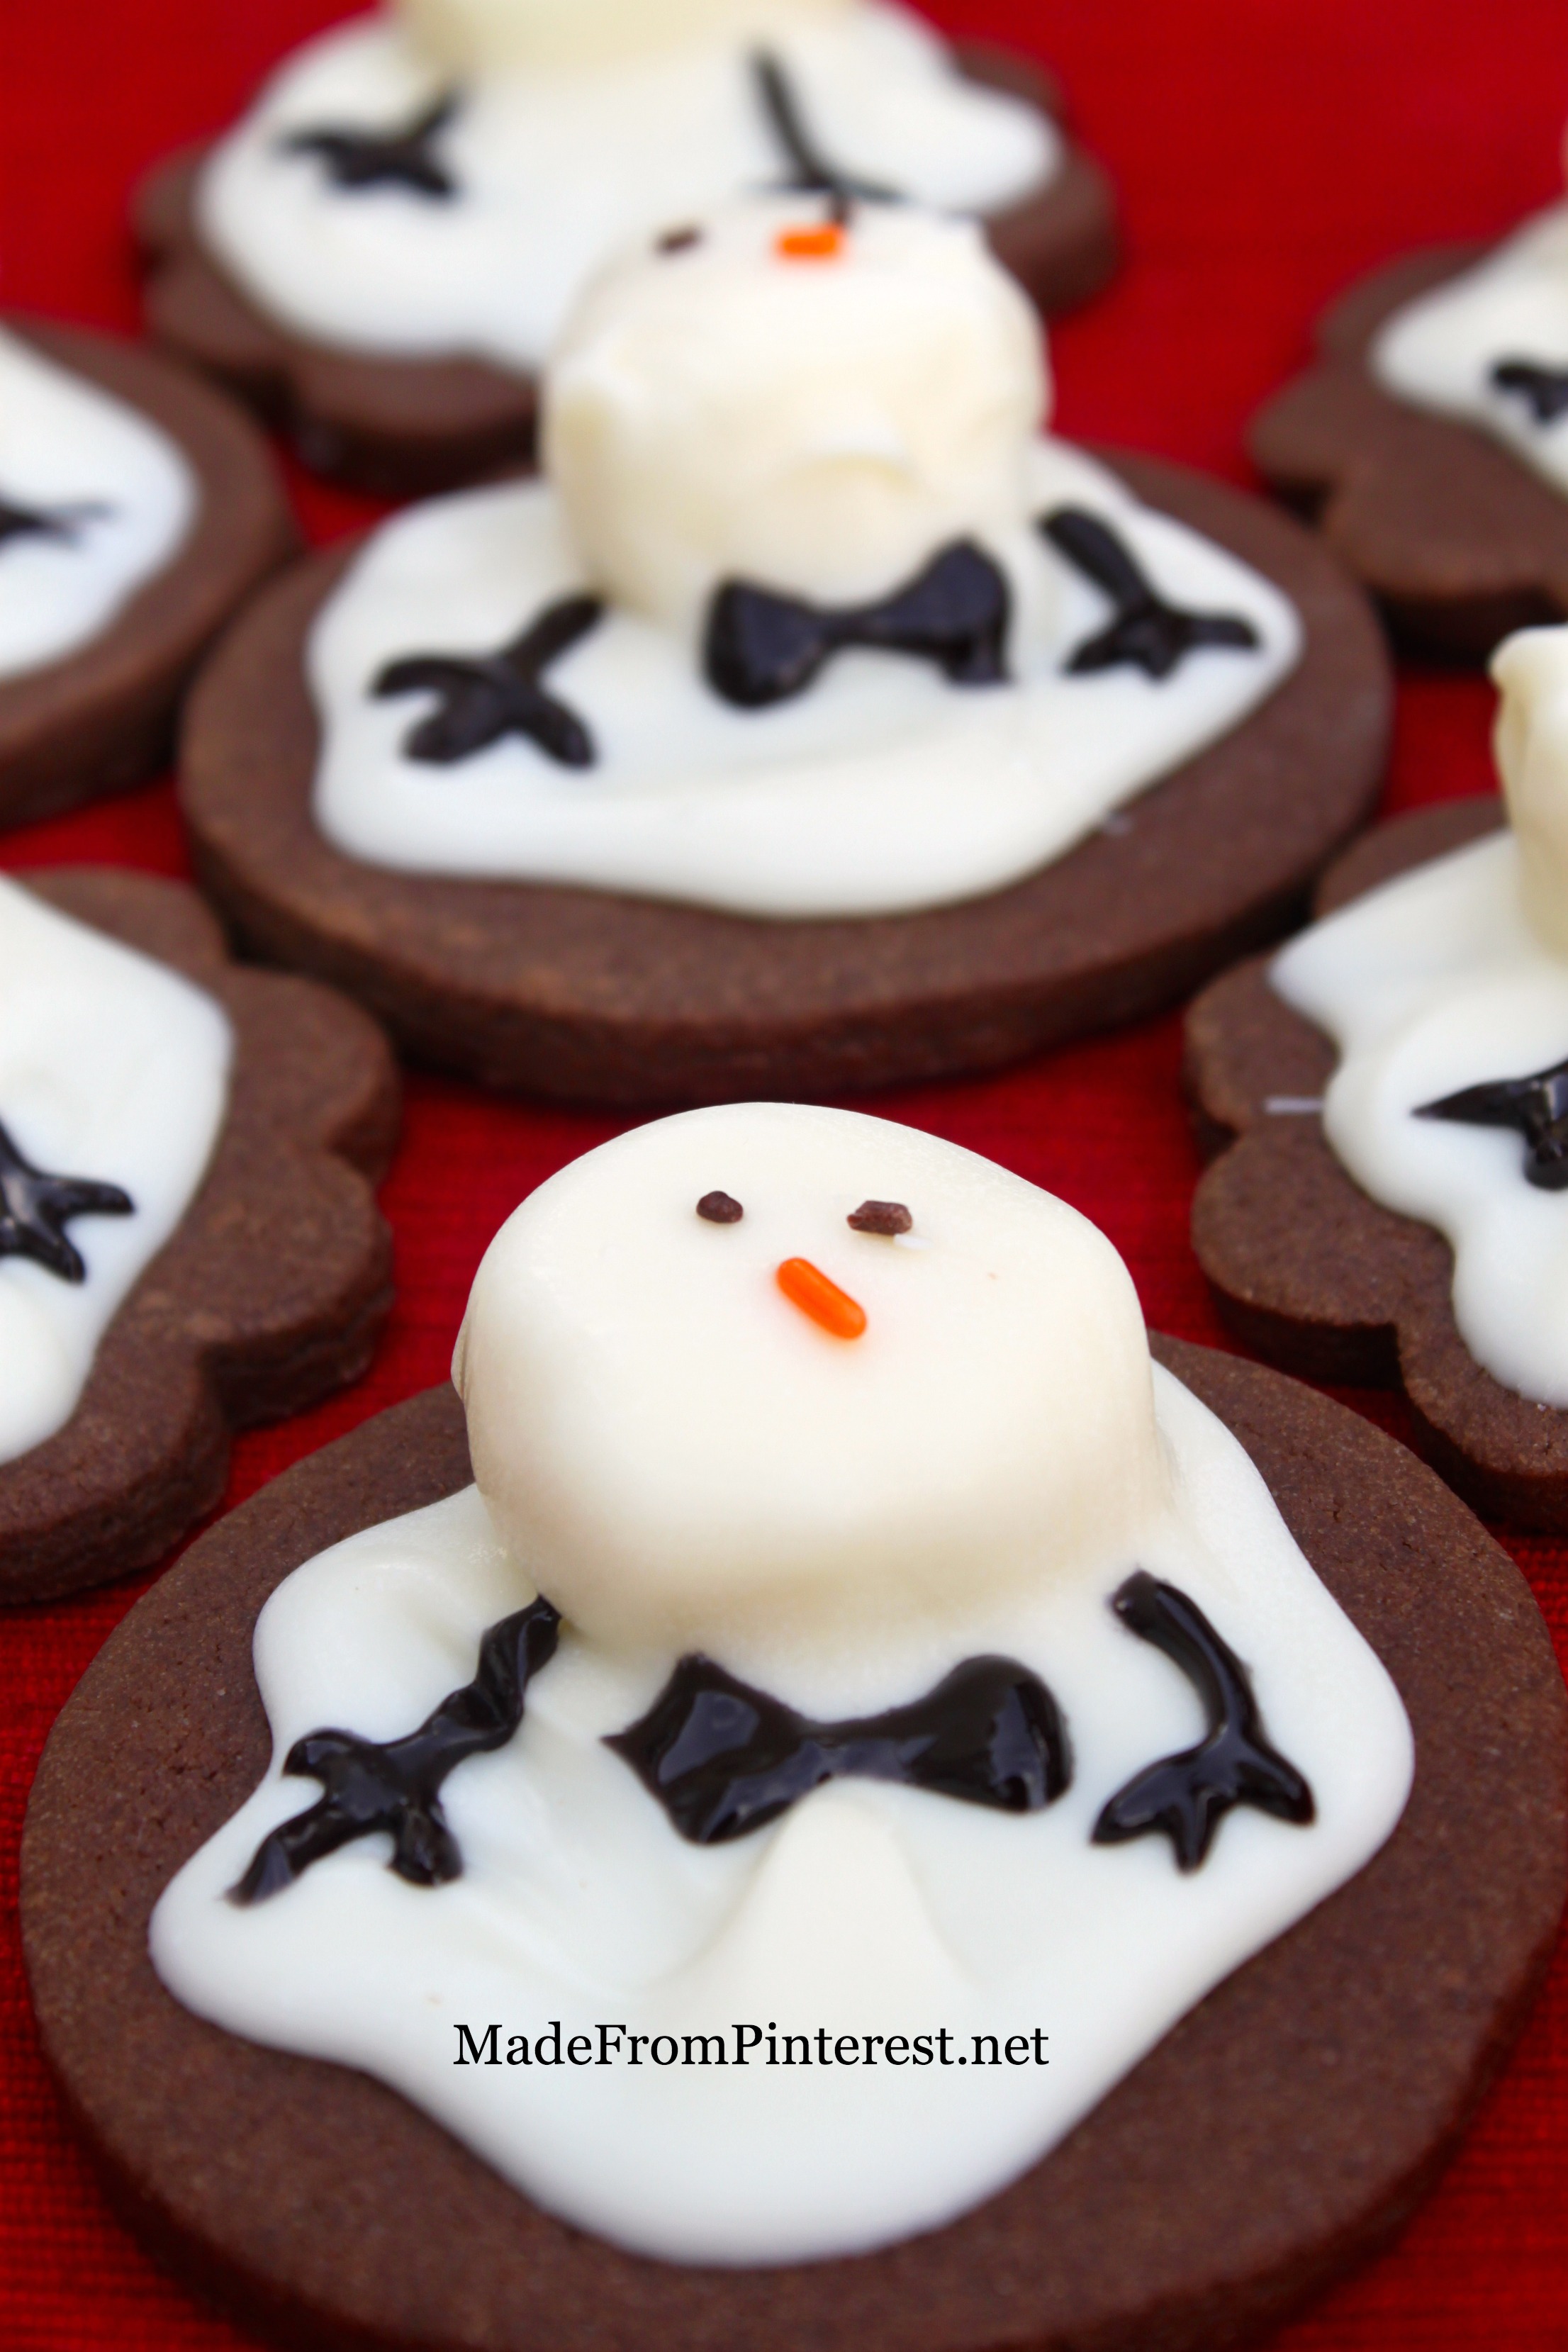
{"x":1266,"y":150}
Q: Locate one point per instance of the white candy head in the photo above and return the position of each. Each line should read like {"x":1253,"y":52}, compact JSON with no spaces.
{"x":1531,"y":744}
{"x":681,"y":1454}
{"x":481,"y":36}
{"x":767,"y":397}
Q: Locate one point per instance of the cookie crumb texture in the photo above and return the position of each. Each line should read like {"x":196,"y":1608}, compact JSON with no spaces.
{"x":1319,"y":2088}
{"x":102,"y":719}
{"x":1305,"y":1267}
{"x":1461,"y":543}
{"x":405,"y":427}
{"x":271,"y":1293}
{"x":589,"y":997}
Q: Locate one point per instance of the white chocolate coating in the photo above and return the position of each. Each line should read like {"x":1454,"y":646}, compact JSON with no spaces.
{"x":898,"y":1475}
{"x":867,"y":1908}
{"x":562,"y":165}
{"x":881,"y":790}
{"x":113,"y":1069}
{"x":818,"y":425}
{"x":497,"y":36}
{"x":64,"y":442}
{"x":1451,"y":976}
{"x":1438,"y":351}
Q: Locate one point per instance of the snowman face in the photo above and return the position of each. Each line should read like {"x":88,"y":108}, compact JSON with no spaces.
{"x":1530,"y":742}
{"x":690,"y":1424}
{"x":501,"y":36}
{"x":772,"y":397}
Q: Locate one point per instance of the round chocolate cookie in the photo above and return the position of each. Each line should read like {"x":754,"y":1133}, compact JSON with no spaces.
{"x":1311,"y":1271}
{"x":402,"y":428}
{"x":272,"y":1292}
{"x":102,"y":719}
{"x":1323,"y":2084}
{"x":585,"y":996}
{"x":1460,"y":541}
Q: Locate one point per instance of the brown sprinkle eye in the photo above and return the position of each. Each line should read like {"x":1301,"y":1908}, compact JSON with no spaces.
{"x":881,"y":1217}
{"x":679,"y":240}
{"x":720,"y":1210}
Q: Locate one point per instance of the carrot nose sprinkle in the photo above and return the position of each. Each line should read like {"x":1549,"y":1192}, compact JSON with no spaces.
{"x":808,"y":1288}
{"x":822,"y":242}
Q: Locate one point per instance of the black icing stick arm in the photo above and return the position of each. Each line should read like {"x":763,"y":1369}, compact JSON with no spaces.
{"x":35,"y":1209}
{"x":1146,"y":633}
{"x":62,"y":524}
{"x":491,"y":696}
{"x":401,"y":157}
{"x":809,"y":170}
{"x":724,"y":1759}
{"x":367,"y":1788}
{"x":1186,"y":1797}
{"x":1544,"y":390}
{"x":1536,"y":1107}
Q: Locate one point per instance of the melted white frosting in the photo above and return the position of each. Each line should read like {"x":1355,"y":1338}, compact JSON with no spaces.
{"x":115,"y":1069}
{"x":65,"y":443}
{"x":1439,"y":351}
{"x":562,"y":166}
{"x":868,"y":1908}
{"x":881,"y":789}
{"x":1451,"y":976}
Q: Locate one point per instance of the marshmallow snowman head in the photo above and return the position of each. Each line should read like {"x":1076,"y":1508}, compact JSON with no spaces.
{"x":772,"y":396}
{"x":1531,"y":744}
{"x":753,"y":1423}
{"x":497,"y":37}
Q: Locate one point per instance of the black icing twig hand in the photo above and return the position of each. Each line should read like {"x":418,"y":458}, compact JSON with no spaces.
{"x":1147,"y":633}
{"x":497,"y":695}
{"x":35,"y":1208}
{"x":762,"y":648}
{"x":724,"y":1759}
{"x":1536,"y":1107}
{"x":61,"y":523}
{"x":1543,"y":389}
{"x":1186,"y":1797}
{"x":396,"y":1788}
{"x":373,"y":159}
{"x":810,"y":172}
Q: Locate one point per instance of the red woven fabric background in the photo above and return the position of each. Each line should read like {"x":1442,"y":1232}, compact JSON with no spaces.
{"x":1266,"y":150}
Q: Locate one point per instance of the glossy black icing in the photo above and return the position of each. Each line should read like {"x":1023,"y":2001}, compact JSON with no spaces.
{"x":401,"y":157}
{"x":724,"y":1759}
{"x":35,"y":1209}
{"x":494,"y":695}
{"x":762,"y":648}
{"x":1544,"y":390}
{"x":809,"y":170}
{"x":1186,"y":1797}
{"x":1146,"y":633}
{"x":395,"y":1789}
{"x":60,"y":523}
{"x":1536,"y":1107}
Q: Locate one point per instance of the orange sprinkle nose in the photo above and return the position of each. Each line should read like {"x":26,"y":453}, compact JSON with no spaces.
{"x":808,"y":1288}
{"x":825,"y":243}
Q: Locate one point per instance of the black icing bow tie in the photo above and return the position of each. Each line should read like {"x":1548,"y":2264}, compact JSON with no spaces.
{"x":724,"y":1759}
{"x":762,"y":648}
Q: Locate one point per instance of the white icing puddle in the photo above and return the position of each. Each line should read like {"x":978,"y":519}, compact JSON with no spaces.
{"x":114,"y":1069}
{"x":881,"y":789}
{"x":556,"y":169}
{"x":867,"y":1910}
{"x":118,"y":490}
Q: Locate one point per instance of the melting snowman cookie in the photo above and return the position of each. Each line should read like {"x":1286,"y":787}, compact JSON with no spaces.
{"x":444,"y":178}
{"x":852,"y":1645}
{"x":1446,"y":994}
{"x":95,"y":499}
{"x":114,"y":1083}
{"x":807,"y":620}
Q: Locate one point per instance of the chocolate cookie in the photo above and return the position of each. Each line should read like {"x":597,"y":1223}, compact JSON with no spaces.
{"x":585,"y":996}
{"x":1322,"y":2085}
{"x":402,"y":428}
{"x":102,"y":719}
{"x":1460,"y":541}
{"x":1309,"y":1270}
{"x":273,"y":1291}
